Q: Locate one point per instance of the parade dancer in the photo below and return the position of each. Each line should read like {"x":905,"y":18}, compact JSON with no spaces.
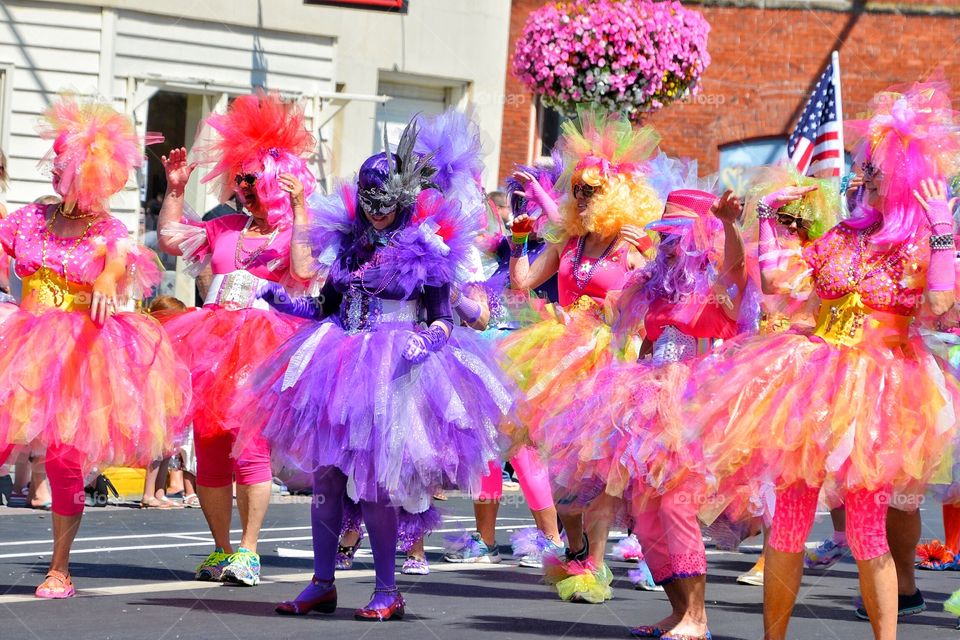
{"x":371,"y":397}
{"x":257,"y":153}
{"x":624,"y":438}
{"x":600,"y":219}
{"x":838,"y":406}
{"x":88,"y":384}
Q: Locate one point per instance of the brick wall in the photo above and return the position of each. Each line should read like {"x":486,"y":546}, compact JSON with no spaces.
{"x":765,"y":62}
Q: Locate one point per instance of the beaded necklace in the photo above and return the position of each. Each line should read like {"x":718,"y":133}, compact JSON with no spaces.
{"x":251,"y":256}
{"x":582,"y":279}
{"x":50,"y":292}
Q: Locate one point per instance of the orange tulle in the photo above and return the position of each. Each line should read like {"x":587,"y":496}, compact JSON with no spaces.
{"x":116,"y":393}
{"x":792,"y":407}
{"x":222,"y":349}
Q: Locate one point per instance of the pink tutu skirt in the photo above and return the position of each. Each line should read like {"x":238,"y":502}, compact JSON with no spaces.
{"x":117,"y":393}
{"x":222,"y":348}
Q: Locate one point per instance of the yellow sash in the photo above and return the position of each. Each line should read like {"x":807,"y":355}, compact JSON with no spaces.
{"x":846,"y":321}
{"x":45,"y":289}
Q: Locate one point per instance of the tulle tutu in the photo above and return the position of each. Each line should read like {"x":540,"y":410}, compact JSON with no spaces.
{"x":222,"y":349}
{"x":550,"y":360}
{"x":404,"y":431}
{"x":625,"y":432}
{"x":791,"y":407}
{"x":116,"y":393}
{"x":945,"y":484}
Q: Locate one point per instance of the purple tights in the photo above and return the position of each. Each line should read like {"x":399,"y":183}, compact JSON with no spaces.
{"x":326,"y":514}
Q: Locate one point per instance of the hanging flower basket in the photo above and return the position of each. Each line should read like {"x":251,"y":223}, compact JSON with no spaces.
{"x":632,"y":56}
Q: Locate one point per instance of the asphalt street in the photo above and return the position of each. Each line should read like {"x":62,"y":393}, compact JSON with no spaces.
{"x":134,"y":573}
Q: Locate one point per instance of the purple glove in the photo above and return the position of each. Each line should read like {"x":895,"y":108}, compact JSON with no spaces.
{"x":277,"y":297}
{"x":422,"y":343}
{"x":468,"y":309}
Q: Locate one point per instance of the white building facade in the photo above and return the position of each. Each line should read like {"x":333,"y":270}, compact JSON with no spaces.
{"x":168,"y":64}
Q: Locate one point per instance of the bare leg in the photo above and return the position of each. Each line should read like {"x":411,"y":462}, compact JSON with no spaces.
{"x":903,"y":534}
{"x":839,"y":517}
{"x":163,"y":472}
{"x":417,"y":551}
{"x":573,"y":525}
{"x":64,"y":531}
{"x":39,"y":485}
{"x":784,"y":572}
{"x":252,"y":502}
{"x":546,"y":521}
{"x":691,"y":594}
{"x":150,"y":484}
{"x":217,"y":505}
{"x":878,"y":585}
{"x":486,"y":515}
{"x":189,"y":483}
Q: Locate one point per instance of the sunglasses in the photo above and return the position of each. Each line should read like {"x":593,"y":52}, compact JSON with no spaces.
{"x":584,"y":191}
{"x":248,"y":179}
{"x":788,"y":220}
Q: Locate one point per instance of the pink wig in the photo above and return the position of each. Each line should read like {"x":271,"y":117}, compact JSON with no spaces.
{"x":910,"y":134}
{"x":262,"y":135}
{"x":94,"y":149}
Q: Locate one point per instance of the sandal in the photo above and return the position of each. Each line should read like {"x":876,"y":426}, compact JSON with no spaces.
{"x":157,"y":504}
{"x":191,"y":501}
{"x":344,"y":558}
{"x":56,"y":586}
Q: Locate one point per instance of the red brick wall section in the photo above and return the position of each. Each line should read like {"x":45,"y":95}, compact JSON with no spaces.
{"x":764,"y":64}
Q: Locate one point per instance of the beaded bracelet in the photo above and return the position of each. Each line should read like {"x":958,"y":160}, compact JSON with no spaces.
{"x":941,"y":242}
{"x":765,"y":211}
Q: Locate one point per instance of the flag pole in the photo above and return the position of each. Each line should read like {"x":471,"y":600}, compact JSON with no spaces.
{"x":839,"y":98}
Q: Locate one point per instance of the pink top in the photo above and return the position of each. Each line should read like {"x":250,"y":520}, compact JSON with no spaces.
{"x":608,"y":275}
{"x":22,"y":234}
{"x":222,"y":236}
{"x":710,"y":322}
{"x":889,"y":281}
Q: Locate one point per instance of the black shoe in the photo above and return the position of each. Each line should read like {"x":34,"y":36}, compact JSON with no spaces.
{"x":579,"y":555}
{"x":906,"y":606}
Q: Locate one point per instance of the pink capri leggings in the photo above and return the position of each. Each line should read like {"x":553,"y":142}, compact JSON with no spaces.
{"x":669,"y":533}
{"x":216,"y":467}
{"x":532,"y":474}
{"x":866,"y":520}
{"x":64,"y":467}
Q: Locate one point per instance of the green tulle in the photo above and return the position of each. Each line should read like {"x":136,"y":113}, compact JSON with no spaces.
{"x":592,"y":586}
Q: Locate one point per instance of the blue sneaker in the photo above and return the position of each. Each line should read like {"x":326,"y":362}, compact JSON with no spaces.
{"x":825,"y":555}
{"x":471,"y":549}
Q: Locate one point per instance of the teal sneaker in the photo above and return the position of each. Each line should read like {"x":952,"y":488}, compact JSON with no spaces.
{"x":211,"y":569}
{"x":243,"y":568}
{"x":470,"y":549}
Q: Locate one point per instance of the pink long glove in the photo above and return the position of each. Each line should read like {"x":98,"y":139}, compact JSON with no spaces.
{"x":941,"y":274}
{"x":534,"y":191}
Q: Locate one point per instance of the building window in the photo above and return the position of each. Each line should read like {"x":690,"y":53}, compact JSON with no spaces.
{"x":549,"y":121}
{"x":737,"y":157}
{"x":409,"y":95}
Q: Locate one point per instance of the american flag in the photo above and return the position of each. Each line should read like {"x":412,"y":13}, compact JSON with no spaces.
{"x":816,"y":146}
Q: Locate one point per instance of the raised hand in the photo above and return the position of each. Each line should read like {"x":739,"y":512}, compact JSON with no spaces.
{"x":292,"y":185}
{"x":178,"y":170}
{"x":783,"y":196}
{"x":935,"y":204}
{"x":728,"y":208}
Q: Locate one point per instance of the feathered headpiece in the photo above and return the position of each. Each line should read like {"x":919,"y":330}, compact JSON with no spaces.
{"x":911,"y":133}
{"x":262,"y":136}
{"x":94,"y":149}
{"x":607,"y":153}
{"x":404,"y":173}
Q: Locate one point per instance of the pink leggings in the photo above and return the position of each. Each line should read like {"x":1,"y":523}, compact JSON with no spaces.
{"x":216,"y":468}
{"x":532,"y":474}
{"x":670,"y":536}
{"x":64,"y":466}
{"x":866,"y":520}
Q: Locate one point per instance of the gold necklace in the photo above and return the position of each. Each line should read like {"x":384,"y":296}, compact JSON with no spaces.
{"x":51,"y":293}
{"x":71,"y":216}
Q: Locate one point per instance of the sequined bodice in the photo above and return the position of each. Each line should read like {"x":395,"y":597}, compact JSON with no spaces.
{"x":361,"y":311}
{"x":673,"y":346}
{"x":890,"y":280}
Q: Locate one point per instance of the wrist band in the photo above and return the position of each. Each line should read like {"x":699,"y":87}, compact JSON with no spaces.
{"x":765,"y":211}
{"x":941,"y":242}
{"x":518,"y":250}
